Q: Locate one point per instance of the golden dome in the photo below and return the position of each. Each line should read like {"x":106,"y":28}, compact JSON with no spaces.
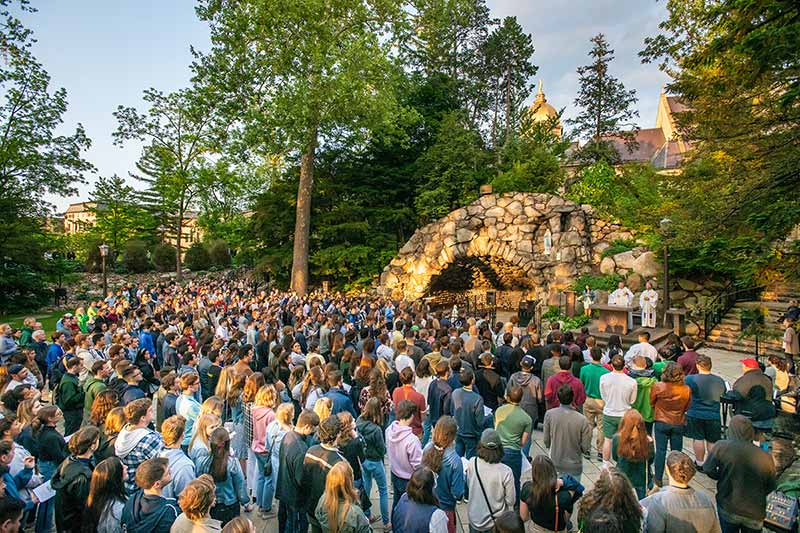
{"x":541,"y":111}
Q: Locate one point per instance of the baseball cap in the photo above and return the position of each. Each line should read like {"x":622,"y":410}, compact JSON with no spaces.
{"x":749,"y":363}
{"x":490,"y":439}
{"x":528,"y":360}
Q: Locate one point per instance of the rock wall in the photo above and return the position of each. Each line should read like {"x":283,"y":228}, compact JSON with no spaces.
{"x":551,"y":240}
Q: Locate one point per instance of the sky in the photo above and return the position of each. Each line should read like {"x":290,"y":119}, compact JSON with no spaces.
{"x":105,"y":53}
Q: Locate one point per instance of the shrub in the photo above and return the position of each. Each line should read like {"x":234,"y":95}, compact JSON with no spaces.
{"x":219,"y":253}
{"x":134,"y":257}
{"x":197,"y":258}
{"x":618,"y":246}
{"x":597,"y":283}
{"x":164,"y":258}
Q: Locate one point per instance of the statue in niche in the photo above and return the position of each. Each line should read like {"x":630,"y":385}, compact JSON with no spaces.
{"x":548,"y":242}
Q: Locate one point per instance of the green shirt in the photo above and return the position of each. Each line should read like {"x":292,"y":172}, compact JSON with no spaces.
{"x":590,"y":377}
{"x":638,"y":473}
{"x":510,"y":422}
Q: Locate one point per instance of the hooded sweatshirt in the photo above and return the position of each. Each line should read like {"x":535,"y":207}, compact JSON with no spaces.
{"x":71,"y":482}
{"x":555,"y":382}
{"x":135,"y":446}
{"x":262,"y":417}
{"x":373,"y":438}
{"x":404,"y":450}
{"x":645,"y":379}
{"x":148,"y":513}
{"x":532,"y":390}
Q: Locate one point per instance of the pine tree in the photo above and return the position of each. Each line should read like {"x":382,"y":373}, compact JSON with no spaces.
{"x":605,"y":107}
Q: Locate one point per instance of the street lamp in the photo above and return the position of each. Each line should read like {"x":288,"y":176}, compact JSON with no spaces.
{"x":666,"y":232}
{"x":103,"y":253}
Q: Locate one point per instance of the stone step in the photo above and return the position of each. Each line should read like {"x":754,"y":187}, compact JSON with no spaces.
{"x":740,"y":348}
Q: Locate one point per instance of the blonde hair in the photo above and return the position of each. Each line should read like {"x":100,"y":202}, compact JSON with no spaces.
{"x":201,"y":432}
{"x":213,"y":405}
{"x":285,"y":414}
{"x":339,"y":489}
{"x":198,"y":497}
{"x":323,"y":407}
{"x":267,"y":396}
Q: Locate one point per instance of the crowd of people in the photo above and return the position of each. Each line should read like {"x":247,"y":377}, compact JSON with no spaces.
{"x":190,"y":408}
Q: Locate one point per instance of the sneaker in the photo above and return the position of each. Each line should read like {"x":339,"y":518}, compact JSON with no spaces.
{"x":266,"y":515}
{"x":599,"y":456}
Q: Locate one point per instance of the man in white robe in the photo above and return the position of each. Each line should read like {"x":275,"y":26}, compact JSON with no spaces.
{"x":622,"y":297}
{"x":648,"y":301}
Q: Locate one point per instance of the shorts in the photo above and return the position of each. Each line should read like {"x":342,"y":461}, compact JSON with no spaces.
{"x":699,"y":429}
{"x":610,"y":425}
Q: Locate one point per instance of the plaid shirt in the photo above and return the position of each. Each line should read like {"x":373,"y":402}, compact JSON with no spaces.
{"x":148,"y":447}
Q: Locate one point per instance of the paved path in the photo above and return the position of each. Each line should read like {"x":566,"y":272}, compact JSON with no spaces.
{"x":726,"y":364}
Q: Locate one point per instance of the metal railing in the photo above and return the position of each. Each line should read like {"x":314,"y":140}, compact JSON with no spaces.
{"x":724,"y":302}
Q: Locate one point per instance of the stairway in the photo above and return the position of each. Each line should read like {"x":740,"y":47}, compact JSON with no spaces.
{"x":775,"y":299}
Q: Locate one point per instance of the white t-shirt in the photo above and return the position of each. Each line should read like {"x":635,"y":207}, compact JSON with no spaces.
{"x":618,"y":391}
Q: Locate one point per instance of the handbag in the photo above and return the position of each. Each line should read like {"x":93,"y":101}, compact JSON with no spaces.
{"x":268,"y":464}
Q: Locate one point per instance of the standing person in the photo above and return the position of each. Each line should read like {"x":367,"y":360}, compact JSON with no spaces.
{"x":468,"y":413}
{"x":369,"y":426}
{"x":180,"y":466}
{"x":439,"y":394}
{"x":618,"y":393}
{"x":340,"y":399}
{"x":441,"y":457}
{"x":317,"y":464}
{"x":403,"y":449}
{"x":187,"y":406}
{"x":688,"y":360}
{"x":276,"y":431}
{"x":289,"y":490}
{"x":532,"y":392}
{"x":338,"y":510}
{"x":643,"y":348}
{"x":417,"y":509}
{"x":645,"y":380}
{"x":550,"y":365}
{"x":196,"y":503}
{"x":69,"y":397}
{"x":422,"y":384}
{"x":490,"y":482}
{"x":633,"y":450}
{"x":513,"y":426}
{"x":567,"y":435}
{"x":593,"y":406}
{"x":231,"y":491}
{"x":263,"y":415}
{"x":703,"y":423}
{"x":147,"y":511}
{"x":106,"y":497}
{"x":351,"y":446}
{"x":680,"y":508}
{"x":745,"y":476}
{"x":488,"y":382}
{"x":548,"y":500}
{"x":613,"y":494}
{"x":791,"y":345}
{"x":407,"y":392}
{"x":648,"y":301}
{"x":133,"y":378}
{"x":136,"y":443}
{"x":670,"y":399}
{"x":564,"y":377}
{"x":94,"y":385}
{"x":72,"y":480}
{"x":52,"y":451}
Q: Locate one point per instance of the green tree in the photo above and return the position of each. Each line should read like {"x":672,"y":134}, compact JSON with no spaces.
{"x":135,"y":257}
{"x":453,"y":169}
{"x":605,"y":104}
{"x":179,"y":129}
{"x":118,"y":215}
{"x":197,"y":257}
{"x":164,"y":257}
{"x":306,"y":73}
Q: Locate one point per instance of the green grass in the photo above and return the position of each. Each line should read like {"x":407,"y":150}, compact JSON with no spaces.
{"x":48,"y":320}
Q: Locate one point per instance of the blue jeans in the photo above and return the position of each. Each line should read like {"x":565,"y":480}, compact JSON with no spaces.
{"x":666,"y":433}
{"x":291,"y":520}
{"x":265,"y":489}
{"x":513,"y":459}
{"x":426,"y":431}
{"x":44,"y":517}
{"x":370,"y":470}
{"x":466,"y":447}
{"x":398,"y":488}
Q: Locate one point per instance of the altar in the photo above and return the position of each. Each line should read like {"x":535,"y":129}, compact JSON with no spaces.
{"x":614,"y":318}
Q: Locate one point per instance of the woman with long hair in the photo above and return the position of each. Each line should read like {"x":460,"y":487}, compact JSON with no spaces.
{"x":338,"y":510}
{"x":422,"y":382}
{"x":370,"y":427}
{"x":106,"y":497}
{"x":348,"y":363}
{"x":200,"y":445}
{"x":323,"y":407}
{"x":548,"y":500}
{"x":490,"y":482}
{"x":612,"y":492}
{"x":633,"y":450}
{"x":52,"y":451}
{"x":390,"y":375}
{"x":103,"y":403}
{"x":613,"y":348}
{"x":263,"y":415}
{"x":213,"y":405}
{"x":376,"y":389}
{"x":196,"y":502}
{"x":337,"y":347}
{"x":72,"y":479}
{"x":670,"y":399}
{"x":351,"y":446}
{"x":276,"y":430}
{"x":251,"y":386}
{"x":419,"y":504}
{"x":441,"y":457}
{"x":313,"y":388}
{"x":26,"y":413}
{"x":115,"y":421}
{"x":150,"y":382}
{"x":231,"y":491}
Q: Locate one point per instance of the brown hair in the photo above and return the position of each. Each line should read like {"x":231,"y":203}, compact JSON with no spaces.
{"x":633,"y":444}
{"x":681,"y":467}
{"x":115,"y":421}
{"x":83,"y":439}
{"x":672,"y":373}
{"x":188,"y":379}
{"x":252,"y":385}
{"x":372,"y":411}
{"x":339,"y":490}
{"x":444,"y":434}
{"x":613,"y":492}
{"x":137,"y":409}
{"x":151,"y":471}
{"x":198,"y":497}
{"x":102,"y":405}
{"x":220,"y":447}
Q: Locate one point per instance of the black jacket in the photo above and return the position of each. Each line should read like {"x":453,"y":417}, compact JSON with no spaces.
{"x":490,"y":386}
{"x":439,"y":403}
{"x":51,"y":445}
{"x":71,"y":482}
{"x":373,"y":438}
{"x":290,"y":472}
{"x":144,"y":513}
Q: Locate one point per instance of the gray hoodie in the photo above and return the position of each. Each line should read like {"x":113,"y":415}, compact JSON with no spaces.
{"x":532,"y":392}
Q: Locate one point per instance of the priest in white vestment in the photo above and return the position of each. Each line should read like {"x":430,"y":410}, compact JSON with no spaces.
{"x":648,"y":301}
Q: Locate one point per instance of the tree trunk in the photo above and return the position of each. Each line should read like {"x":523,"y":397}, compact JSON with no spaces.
{"x":302,"y":225}
{"x":178,"y":243}
{"x":508,"y":102}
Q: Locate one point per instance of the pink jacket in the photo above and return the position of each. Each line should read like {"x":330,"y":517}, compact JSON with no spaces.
{"x":262,"y":417}
{"x":404,"y":450}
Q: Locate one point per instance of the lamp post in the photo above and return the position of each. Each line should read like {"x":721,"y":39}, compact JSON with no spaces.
{"x":666,"y":232}
{"x":103,"y":253}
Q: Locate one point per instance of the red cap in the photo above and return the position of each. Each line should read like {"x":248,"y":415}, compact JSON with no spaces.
{"x":749,"y":363}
